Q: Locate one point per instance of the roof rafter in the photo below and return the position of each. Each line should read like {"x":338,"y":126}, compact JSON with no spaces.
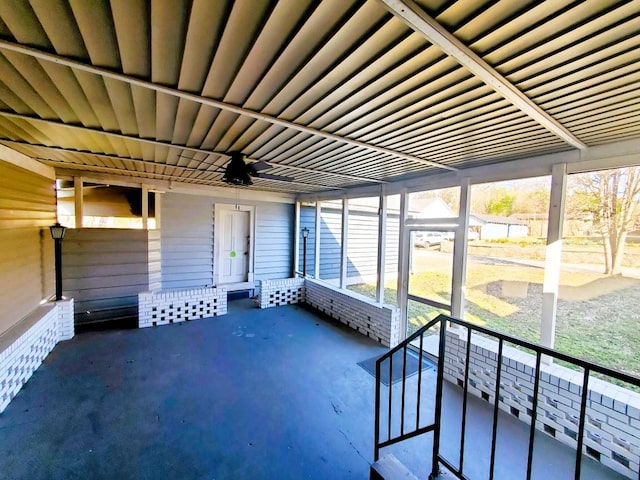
{"x":61,"y":163}
{"x":148,"y":163}
{"x":173,"y":145}
{"x":74,"y":64}
{"x":418,"y":20}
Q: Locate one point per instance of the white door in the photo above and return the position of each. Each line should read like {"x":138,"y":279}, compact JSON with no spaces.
{"x":234,"y":245}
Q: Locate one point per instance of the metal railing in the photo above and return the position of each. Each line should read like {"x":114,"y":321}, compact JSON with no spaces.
{"x":399,"y":429}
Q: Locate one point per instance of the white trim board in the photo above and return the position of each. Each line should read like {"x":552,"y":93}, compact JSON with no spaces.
{"x":218,"y":208}
{"x":18,"y":159}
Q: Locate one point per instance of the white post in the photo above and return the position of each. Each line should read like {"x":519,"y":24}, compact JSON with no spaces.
{"x":79,"y":201}
{"x":296,"y":240}
{"x":157,"y":209}
{"x":403,"y":264}
{"x":459,"y":274}
{"x":344,"y":257}
{"x":552,"y":257}
{"x":316,"y":246}
{"x":382,"y":240}
{"x":145,"y":207}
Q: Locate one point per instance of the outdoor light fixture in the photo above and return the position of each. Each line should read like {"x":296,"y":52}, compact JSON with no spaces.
{"x":57,"y":233}
{"x":305,"y":234}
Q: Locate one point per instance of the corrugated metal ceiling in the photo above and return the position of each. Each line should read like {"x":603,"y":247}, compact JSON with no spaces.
{"x":333,"y":93}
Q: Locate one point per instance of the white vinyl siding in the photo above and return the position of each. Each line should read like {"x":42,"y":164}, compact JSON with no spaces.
{"x":27,"y":208}
{"x":274,"y":241}
{"x":362,"y":244}
{"x":187,"y":240}
{"x":103,"y":271}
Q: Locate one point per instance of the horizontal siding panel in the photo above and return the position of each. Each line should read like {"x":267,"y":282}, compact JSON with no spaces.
{"x":101,"y":259}
{"x":29,"y":217}
{"x":27,"y":208}
{"x":184,"y":258}
{"x":107,"y":235}
{"x":203,"y":268}
{"x":106,"y":303}
{"x":14,"y":224}
{"x":83,"y":271}
{"x":90,"y":283}
{"x":134,"y":247}
{"x":274,"y":241}
{"x":183,"y":284}
{"x":30,"y":206}
{"x":183,"y":249}
{"x":187,"y":241}
{"x":104,"y":293}
{"x":104,"y":269}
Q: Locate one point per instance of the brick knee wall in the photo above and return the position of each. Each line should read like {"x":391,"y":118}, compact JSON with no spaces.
{"x":380,"y":322}
{"x":274,"y":293}
{"x":166,"y":307}
{"x":29,"y":342}
{"x":612,"y":427}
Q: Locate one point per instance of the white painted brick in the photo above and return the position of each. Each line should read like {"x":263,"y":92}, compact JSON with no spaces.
{"x":164,"y":307}
{"x":25,"y":353}
{"x":612,"y":411}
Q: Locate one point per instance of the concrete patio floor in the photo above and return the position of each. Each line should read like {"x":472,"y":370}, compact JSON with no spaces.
{"x":255,"y":394}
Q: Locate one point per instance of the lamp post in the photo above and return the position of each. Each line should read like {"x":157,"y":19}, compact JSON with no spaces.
{"x":57,"y":233}
{"x":305,"y":234}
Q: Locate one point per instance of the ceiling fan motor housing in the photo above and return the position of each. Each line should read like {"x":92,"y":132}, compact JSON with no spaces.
{"x":237,"y":171}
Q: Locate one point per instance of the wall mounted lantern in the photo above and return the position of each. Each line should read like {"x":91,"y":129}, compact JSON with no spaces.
{"x":57,"y":233}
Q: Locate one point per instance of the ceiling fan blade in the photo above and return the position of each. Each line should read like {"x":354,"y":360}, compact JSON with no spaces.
{"x":279,"y":178}
{"x":261,"y":165}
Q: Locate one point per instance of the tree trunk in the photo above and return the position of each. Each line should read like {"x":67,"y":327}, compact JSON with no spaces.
{"x":608,"y":253}
{"x":618,"y":254}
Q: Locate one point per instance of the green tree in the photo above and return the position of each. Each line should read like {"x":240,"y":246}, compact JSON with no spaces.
{"x":501,"y":203}
{"x":610,"y":199}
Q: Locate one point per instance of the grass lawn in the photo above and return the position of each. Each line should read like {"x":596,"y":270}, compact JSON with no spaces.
{"x":598,"y":317}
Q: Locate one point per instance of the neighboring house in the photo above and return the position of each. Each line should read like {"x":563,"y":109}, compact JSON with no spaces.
{"x":496,"y":226}
{"x":482,"y":226}
{"x":434,"y":208}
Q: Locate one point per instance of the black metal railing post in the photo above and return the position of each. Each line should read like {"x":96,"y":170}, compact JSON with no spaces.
{"x":418,"y":395}
{"x":376,"y":452}
{"x":465,"y":394}
{"x":404,"y":388}
{"x":496,"y":408}
{"x":581,"y":422}
{"x":435,"y":468}
{"x":534,"y":412}
{"x":436,"y":427}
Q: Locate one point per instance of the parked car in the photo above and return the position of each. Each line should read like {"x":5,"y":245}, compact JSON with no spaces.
{"x":429,"y":239}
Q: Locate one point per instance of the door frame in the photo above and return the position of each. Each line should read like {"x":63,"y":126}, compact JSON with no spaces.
{"x":218,"y":208}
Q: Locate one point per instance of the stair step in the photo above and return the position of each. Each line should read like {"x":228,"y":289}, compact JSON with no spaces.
{"x":390,"y":468}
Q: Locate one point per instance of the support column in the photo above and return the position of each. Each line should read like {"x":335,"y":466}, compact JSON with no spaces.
{"x":296,"y":240}
{"x":145,"y":207}
{"x":79,"y":201}
{"x":403,"y":264}
{"x":459,"y":274}
{"x":157,"y":210}
{"x":382,"y":253}
{"x":344,"y":257}
{"x":316,"y":246}
{"x":552,"y":257}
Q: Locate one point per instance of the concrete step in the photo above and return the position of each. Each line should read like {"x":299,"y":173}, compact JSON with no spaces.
{"x":390,"y":468}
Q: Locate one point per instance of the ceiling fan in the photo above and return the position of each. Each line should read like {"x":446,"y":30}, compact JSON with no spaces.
{"x":238,"y":172}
